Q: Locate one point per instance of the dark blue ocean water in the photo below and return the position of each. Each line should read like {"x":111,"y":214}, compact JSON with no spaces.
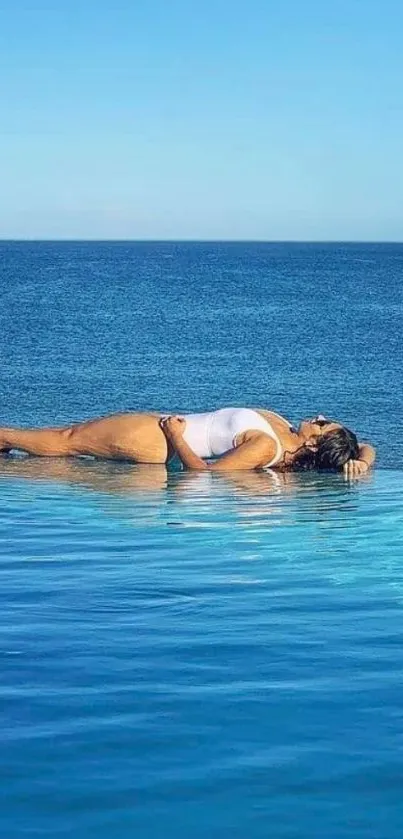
{"x":190,"y":655}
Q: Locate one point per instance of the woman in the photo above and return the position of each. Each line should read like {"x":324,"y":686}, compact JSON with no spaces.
{"x":236,"y":438}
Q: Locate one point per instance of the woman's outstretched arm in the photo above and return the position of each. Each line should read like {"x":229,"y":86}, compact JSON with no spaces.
{"x":254,"y":453}
{"x":366,"y":459}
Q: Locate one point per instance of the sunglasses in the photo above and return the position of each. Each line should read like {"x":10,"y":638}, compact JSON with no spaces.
{"x":320,"y":420}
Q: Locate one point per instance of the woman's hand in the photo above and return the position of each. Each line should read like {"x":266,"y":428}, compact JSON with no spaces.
{"x":173,"y":427}
{"x":355,"y":468}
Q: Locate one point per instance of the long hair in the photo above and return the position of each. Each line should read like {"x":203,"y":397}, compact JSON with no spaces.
{"x":333,"y":450}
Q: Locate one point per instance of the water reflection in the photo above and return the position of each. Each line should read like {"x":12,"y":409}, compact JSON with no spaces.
{"x":98,"y":476}
{"x":123,"y":478}
{"x":313,"y":524}
{"x":254,"y":496}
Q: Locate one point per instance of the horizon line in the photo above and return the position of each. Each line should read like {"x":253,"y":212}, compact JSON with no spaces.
{"x":33,"y":240}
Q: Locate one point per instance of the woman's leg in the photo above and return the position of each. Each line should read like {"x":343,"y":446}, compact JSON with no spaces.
{"x":48,"y":442}
{"x":135,"y":437}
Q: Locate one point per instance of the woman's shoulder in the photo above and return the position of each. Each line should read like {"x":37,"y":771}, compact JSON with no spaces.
{"x":273,"y":417}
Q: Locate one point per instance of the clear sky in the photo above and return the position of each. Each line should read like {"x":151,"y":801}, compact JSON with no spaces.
{"x":209,"y":120}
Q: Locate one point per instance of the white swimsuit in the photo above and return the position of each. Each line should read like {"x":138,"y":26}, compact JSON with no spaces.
{"x":212,"y":434}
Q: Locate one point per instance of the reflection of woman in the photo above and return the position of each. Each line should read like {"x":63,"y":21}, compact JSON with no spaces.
{"x":120,"y":479}
{"x":108,"y":477}
{"x":236,"y":438}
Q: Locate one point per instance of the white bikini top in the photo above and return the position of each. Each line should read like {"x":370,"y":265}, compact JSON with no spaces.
{"x":212,"y":434}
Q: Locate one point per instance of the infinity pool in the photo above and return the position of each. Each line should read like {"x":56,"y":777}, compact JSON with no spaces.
{"x":196,"y":656}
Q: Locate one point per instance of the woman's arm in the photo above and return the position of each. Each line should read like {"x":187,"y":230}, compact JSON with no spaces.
{"x":367,"y":454}
{"x":354,"y":468}
{"x":254,"y":453}
{"x":174,"y":428}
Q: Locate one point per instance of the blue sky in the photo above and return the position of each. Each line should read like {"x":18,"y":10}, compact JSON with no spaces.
{"x":215,"y":120}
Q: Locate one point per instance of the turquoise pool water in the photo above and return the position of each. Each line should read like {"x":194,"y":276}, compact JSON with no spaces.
{"x":196,"y":656}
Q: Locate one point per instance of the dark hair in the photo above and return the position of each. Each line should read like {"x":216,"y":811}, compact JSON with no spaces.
{"x":334,"y":449}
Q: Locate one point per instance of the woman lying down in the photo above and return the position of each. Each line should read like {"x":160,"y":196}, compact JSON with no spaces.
{"x":229,"y":439}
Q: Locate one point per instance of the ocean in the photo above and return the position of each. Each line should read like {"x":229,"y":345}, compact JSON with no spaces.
{"x":191,"y":655}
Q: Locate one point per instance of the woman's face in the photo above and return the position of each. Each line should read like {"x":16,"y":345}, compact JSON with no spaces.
{"x":312,"y":429}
